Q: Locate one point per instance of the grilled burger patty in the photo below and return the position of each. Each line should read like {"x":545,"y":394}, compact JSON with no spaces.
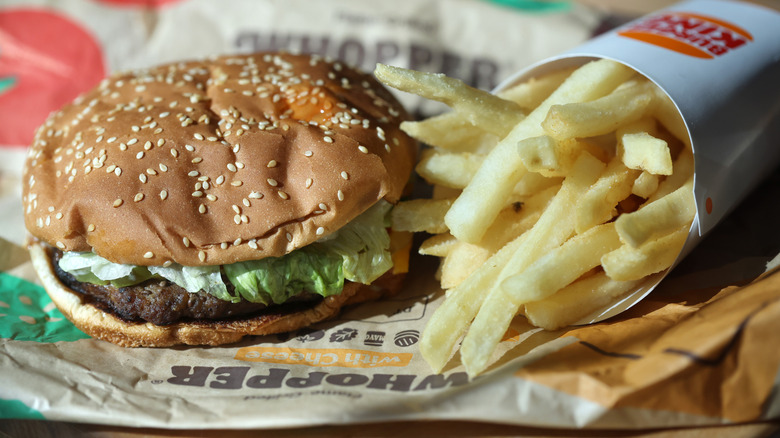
{"x":161,"y":302}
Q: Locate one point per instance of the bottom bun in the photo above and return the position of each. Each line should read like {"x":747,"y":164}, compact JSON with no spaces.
{"x":108,"y":327}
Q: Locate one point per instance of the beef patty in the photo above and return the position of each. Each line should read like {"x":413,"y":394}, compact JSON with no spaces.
{"x":162,"y":302}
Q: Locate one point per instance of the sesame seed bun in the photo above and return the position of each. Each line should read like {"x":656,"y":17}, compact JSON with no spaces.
{"x":214,"y":162}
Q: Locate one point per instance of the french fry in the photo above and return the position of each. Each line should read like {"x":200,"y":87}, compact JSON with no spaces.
{"x":645,"y":185}
{"x":576,"y":301}
{"x":464,"y":258}
{"x":598,"y":203}
{"x":600,"y":116}
{"x":642,"y":151}
{"x":452,"y":132}
{"x":420,"y":215}
{"x":451,"y":319}
{"x":448,"y":169}
{"x":531,"y":93}
{"x":658,"y":218}
{"x":633,"y":263}
{"x":438,"y":245}
{"x":554,"y":227}
{"x":481,"y":108}
{"x":502,"y":168}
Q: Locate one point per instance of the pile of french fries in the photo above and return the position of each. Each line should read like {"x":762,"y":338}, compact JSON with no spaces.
{"x":551,"y":199}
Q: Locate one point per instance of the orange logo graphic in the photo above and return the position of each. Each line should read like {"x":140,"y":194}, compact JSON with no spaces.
{"x":325,"y":357}
{"x":690,"y":34}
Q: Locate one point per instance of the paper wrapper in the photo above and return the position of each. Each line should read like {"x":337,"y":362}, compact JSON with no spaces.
{"x":692,"y":353}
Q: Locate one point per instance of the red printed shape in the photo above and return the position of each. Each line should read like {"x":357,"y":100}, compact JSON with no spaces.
{"x":46,"y":60}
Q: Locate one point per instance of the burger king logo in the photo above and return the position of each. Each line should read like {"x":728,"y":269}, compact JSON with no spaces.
{"x":691,"y":34}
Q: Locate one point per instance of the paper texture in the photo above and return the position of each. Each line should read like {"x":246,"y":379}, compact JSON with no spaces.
{"x":693,"y":353}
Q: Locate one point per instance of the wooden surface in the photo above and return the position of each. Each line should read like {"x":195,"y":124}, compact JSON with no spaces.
{"x":41,"y":429}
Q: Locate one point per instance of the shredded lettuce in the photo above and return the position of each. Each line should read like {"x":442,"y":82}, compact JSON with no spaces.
{"x":358,"y":252}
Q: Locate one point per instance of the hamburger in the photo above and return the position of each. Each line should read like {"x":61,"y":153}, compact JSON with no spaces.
{"x":202,"y":201}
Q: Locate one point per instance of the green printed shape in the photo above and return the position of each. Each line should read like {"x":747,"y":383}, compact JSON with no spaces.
{"x":535,"y":5}
{"x":17,"y":409}
{"x":28,"y":314}
{"x":7,"y":83}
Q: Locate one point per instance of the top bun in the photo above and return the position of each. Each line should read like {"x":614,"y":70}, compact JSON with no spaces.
{"x":216,"y":161}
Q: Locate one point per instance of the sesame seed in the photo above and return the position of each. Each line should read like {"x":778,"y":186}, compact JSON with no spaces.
{"x":189,"y":147}
{"x":237,"y":219}
{"x":151,"y":171}
{"x":160,"y":142}
{"x":163,"y":194}
{"x":167,"y":263}
{"x":118,"y":171}
{"x":237,"y":209}
{"x":60,"y":245}
{"x":256,"y":195}
{"x":272,"y":163}
{"x":110,"y":168}
{"x":175,"y":153}
{"x":138,"y":197}
{"x":340,"y":195}
{"x":363,"y":149}
{"x":139,"y":155}
{"x":236,"y":183}
{"x":193,"y":173}
{"x":344,"y":175}
{"x":232,"y":167}
{"x":309,"y":182}
{"x":323,"y":206}
{"x":148,"y":145}
{"x":220,"y":179}
{"x":327,"y":139}
{"x":148,"y":255}
{"x":198,"y":136}
{"x":132,"y":141}
{"x":308,"y":153}
{"x":197,"y":194}
{"x":223,"y":245}
{"x":289,"y":237}
{"x":111,"y":140}
{"x":185,"y":241}
{"x":320,"y":231}
{"x":211,"y":197}
{"x":197,"y":160}
{"x":142,"y":177}
{"x":283,"y":195}
{"x":118,"y":202}
{"x":252,"y":244}
{"x":163,"y":167}
{"x":58,"y":215}
{"x":202,"y":209}
{"x":239,"y":164}
{"x":202,"y":255}
{"x":272,"y":182}
{"x":246,"y":202}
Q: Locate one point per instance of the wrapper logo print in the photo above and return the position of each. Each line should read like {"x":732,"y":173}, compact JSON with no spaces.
{"x":326,"y":357}
{"x":41,"y":70}
{"x":690,"y":34}
{"x":28,"y":314}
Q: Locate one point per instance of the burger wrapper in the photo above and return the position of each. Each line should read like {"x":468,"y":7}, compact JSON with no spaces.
{"x":697,"y":351}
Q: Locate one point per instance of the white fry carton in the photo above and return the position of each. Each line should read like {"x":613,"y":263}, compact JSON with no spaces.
{"x":719,"y":62}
